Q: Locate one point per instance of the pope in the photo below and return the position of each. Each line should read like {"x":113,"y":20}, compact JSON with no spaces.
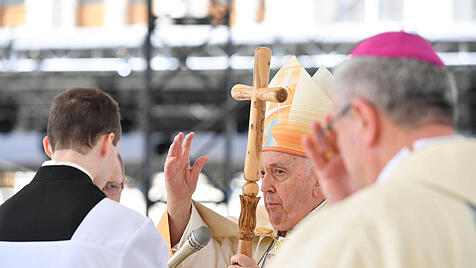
{"x":290,"y":188}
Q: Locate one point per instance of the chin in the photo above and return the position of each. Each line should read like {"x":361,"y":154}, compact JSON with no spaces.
{"x":280,"y":227}
{"x":277,"y":222}
{"x":282,"y":224}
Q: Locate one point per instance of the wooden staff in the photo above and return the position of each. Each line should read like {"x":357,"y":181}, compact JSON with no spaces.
{"x":259,"y":93}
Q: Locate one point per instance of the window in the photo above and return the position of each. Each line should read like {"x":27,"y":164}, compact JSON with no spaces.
{"x":350,"y":10}
{"x":12,"y":12}
{"x":464,"y":10}
{"x":91,"y":13}
{"x":137,"y":11}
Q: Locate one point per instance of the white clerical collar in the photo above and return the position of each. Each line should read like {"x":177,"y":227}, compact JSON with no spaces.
{"x":317,"y":208}
{"x":314,"y":211}
{"x":405,"y":152}
{"x":64,"y":163}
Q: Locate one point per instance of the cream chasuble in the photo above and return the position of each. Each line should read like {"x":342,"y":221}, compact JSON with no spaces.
{"x":422,"y":215}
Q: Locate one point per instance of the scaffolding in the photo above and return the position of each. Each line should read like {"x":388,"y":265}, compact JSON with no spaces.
{"x":177,"y":77}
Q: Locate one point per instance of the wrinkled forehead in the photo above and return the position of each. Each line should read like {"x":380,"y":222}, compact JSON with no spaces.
{"x":281,"y":159}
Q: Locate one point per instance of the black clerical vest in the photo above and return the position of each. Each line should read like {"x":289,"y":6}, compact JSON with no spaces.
{"x":51,"y":207}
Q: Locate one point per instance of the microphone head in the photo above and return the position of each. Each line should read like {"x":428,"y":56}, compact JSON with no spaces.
{"x":200,"y":237}
{"x":202,"y":234}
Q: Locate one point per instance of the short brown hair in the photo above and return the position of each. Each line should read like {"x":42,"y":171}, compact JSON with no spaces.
{"x":79,"y":116}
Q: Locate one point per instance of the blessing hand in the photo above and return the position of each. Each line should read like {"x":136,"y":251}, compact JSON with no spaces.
{"x":328,"y":164}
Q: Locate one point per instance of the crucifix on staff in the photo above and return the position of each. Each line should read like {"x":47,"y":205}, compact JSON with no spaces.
{"x":259,"y":93}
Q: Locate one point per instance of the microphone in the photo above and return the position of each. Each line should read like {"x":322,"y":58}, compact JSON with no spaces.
{"x":195,"y":241}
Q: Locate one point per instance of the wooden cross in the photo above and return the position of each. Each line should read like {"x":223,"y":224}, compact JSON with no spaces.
{"x":259,"y":93}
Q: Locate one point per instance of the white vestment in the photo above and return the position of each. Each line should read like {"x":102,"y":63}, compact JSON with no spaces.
{"x":223,"y":246}
{"x":422,"y":214}
{"x":111,"y":235}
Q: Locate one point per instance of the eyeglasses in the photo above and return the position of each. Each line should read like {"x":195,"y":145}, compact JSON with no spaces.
{"x":331,"y":123}
{"x":113,"y":188}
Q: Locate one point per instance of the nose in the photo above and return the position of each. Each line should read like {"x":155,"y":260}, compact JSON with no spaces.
{"x":267,"y":184}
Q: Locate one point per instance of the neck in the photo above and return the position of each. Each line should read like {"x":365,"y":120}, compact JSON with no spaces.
{"x":311,"y":211}
{"x":396,"y":138}
{"x":75,"y":157}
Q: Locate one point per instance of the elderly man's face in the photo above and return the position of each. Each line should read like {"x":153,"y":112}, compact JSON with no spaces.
{"x":289,"y":188}
{"x":115,"y":183}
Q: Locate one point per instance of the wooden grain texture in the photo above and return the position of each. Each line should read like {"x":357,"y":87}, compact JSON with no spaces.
{"x":259,"y":93}
{"x":257,"y":112}
{"x":249,"y":201}
{"x":245,"y":247}
{"x":247,"y":224}
{"x":250,"y":188}
{"x":274,"y":94}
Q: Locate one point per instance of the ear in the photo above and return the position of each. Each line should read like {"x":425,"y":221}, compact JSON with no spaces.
{"x":106,"y":143}
{"x":366,"y":116}
{"x":316,"y":188}
{"x":47,"y":147}
{"x":124,"y":181}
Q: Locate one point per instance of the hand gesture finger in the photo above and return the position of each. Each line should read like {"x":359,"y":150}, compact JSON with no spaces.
{"x":198,"y":166}
{"x":313,"y":149}
{"x":180,"y":178}
{"x":175,"y":147}
{"x":328,"y":164}
{"x":186,"y":145}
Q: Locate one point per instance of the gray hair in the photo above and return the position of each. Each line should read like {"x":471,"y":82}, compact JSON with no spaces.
{"x":410,"y":92}
{"x":309,"y":165}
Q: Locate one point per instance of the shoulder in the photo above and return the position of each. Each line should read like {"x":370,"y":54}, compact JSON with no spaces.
{"x":220,"y":226}
{"x":393,"y":203}
{"x":377,"y":210}
{"x":338,"y":235}
{"x":111,"y":224}
{"x":118,"y":229}
{"x":381,"y":224}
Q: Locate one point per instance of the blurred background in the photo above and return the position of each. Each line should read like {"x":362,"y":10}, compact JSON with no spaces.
{"x":171,"y":64}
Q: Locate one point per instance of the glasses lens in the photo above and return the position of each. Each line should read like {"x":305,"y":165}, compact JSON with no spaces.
{"x":113,"y":187}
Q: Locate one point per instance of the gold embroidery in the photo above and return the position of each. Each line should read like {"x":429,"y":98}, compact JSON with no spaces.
{"x":264,"y":231}
{"x":277,"y":245}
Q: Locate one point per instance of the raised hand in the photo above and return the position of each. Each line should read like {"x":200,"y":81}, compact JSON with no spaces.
{"x":328,"y":165}
{"x":180,"y":178}
{"x":180,"y":183}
